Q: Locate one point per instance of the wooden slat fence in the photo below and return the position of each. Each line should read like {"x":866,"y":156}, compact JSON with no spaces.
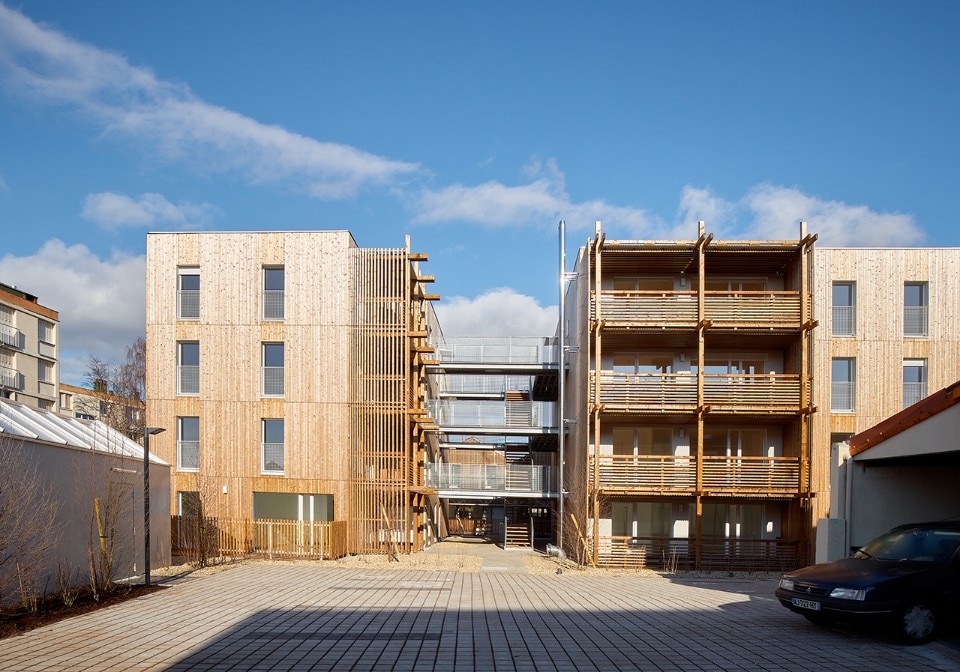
{"x":262,"y":537}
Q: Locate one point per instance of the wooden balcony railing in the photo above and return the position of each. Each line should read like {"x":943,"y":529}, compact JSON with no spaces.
{"x":646,"y":391}
{"x":751,"y":475}
{"x":679,"y":309}
{"x":270,"y":538}
{"x":668,"y":474}
{"x":752,"y":391}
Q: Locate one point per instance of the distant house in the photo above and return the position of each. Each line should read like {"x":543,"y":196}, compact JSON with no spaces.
{"x":28,"y":349}
{"x":79,"y":462}
{"x":120,"y":413}
{"x":902,"y":470}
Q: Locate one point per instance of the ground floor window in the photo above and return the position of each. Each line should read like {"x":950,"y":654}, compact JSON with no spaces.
{"x":650,"y":519}
{"x":292,"y":506}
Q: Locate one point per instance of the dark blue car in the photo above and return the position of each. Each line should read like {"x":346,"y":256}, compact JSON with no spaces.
{"x":909,"y":577}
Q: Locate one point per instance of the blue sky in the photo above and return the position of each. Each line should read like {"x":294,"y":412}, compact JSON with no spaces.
{"x":473,"y":127}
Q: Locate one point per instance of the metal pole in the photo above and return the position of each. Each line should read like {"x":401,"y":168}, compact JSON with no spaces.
{"x":146,"y":501}
{"x":562,"y":363}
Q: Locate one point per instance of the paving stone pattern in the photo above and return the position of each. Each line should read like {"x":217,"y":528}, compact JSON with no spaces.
{"x":306,"y":617}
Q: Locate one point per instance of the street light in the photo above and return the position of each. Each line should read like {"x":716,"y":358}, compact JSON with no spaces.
{"x":147,"y":431}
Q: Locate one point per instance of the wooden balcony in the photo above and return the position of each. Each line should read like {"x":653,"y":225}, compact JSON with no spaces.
{"x":770,"y":555}
{"x":678,"y":310}
{"x":646,"y":392}
{"x":677,"y":474}
{"x":752,"y":393}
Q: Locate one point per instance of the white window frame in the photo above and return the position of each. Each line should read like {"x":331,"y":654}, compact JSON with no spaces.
{"x":188,"y":372}
{"x":273,"y":308}
{"x":844,"y":316}
{"x":844,"y":389}
{"x":272,"y":377}
{"x":916,"y":316}
{"x":914,"y":391}
{"x":181,"y":444}
{"x":188,"y":297}
{"x":265,"y":446}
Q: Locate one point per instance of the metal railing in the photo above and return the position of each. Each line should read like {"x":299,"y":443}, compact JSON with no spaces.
{"x":843,"y":395}
{"x":844,"y":320}
{"x":493,"y":414}
{"x":518,"y":350}
{"x":271,"y":458}
{"x":514,"y":478}
{"x":489,"y":384}
{"x":11,"y":336}
{"x":915,"y":321}
{"x":913,"y":392}
{"x":188,"y":379}
{"x":273,"y":304}
{"x":10,"y":378}
{"x":188,"y":455}
{"x":188,"y":304}
{"x":272,"y":381}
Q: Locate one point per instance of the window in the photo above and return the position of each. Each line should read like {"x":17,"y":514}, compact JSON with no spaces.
{"x":9,"y":334}
{"x":272,"y":374}
{"x":915,"y":302}
{"x":271,"y":454}
{"x":843,"y":384}
{"x":290,"y":506}
{"x":9,"y":376}
{"x":45,"y":405}
{"x":273,"y":292}
{"x":844,"y":309}
{"x":44,"y":371}
{"x":188,"y":444}
{"x":188,"y":293}
{"x":914,"y":381}
{"x":188,"y":368}
{"x":45,"y":332}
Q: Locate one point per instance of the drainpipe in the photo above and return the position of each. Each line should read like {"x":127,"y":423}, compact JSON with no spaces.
{"x":847,"y":496}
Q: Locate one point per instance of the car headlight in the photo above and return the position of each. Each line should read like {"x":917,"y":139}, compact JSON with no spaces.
{"x":786,"y":584}
{"x":849,"y":594}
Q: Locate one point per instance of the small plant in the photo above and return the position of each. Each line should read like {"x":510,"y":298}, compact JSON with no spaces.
{"x":26,"y":580}
{"x":67,"y":585}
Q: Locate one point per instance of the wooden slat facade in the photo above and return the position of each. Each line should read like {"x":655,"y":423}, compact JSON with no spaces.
{"x":349,"y":385}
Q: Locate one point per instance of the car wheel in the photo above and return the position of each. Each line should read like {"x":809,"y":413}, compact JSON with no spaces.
{"x":917,"y":622}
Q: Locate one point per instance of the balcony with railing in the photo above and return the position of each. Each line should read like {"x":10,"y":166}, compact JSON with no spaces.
{"x":677,"y":474}
{"x":494,"y":480}
{"x":271,"y":458}
{"x":844,"y":320}
{"x":646,"y":392}
{"x":665,"y":310}
{"x":510,"y":351}
{"x":465,"y":385}
{"x":188,"y":455}
{"x":773,"y":555}
{"x":915,"y":321}
{"x":271,"y":380}
{"x":481,"y":415}
{"x":273,"y":304}
{"x":11,"y":337}
{"x":752,"y":392}
{"x":10,"y":378}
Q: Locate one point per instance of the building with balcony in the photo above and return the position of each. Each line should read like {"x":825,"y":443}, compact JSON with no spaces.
{"x":123,"y":414}
{"x":688,"y":401}
{"x":29,"y":334}
{"x":492,"y":459}
{"x":287,"y":369}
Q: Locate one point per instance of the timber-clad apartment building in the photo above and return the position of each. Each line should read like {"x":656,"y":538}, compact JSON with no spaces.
{"x":301,"y":377}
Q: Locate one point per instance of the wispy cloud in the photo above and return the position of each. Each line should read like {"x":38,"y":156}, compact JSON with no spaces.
{"x":498,"y":312}
{"x":100,"y":300}
{"x":42,"y":64}
{"x":543,"y":201}
{"x":774,"y":212}
{"x":114,"y":211}
{"x":4,"y":189}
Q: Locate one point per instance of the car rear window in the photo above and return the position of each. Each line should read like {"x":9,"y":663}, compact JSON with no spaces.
{"x":919,"y":545}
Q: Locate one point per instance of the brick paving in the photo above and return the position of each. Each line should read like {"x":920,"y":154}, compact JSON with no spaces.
{"x":318,"y":617}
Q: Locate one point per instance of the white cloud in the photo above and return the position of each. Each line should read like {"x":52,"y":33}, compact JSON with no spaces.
{"x":110,"y":210}
{"x":4,"y":189}
{"x":543,"y":201}
{"x":774,"y":212}
{"x":100,"y":301}
{"x":42,"y":64}
{"x":498,"y":312}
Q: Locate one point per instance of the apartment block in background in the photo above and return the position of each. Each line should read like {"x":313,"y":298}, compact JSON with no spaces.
{"x":689,"y":402}
{"x":29,"y":333}
{"x":287,"y":370}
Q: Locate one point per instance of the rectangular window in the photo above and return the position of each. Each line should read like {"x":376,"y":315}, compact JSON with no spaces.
{"x":844,"y":309}
{"x":915,"y":303}
{"x":45,"y":371}
{"x":188,"y":368}
{"x":914,"y":381}
{"x":45,"y":332}
{"x":188,"y":444}
{"x":272,"y":370}
{"x":273,"y":292}
{"x":843,"y":384}
{"x":9,"y":334}
{"x":188,"y":293}
{"x":271,"y":454}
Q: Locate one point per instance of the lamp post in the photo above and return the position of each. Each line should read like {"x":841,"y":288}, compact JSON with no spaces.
{"x":146,"y":501}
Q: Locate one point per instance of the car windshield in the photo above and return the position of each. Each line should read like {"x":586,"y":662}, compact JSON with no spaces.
{"x":919,"y":545}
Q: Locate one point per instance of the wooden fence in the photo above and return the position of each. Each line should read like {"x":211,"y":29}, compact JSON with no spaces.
{"x":262,"y":537}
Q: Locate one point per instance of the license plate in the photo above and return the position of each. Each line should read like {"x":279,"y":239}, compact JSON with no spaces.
{"x":812,"y":605}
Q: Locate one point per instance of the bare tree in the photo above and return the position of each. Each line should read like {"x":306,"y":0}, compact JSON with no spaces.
{"x":28,"y":525}
{"x":118,"y":390}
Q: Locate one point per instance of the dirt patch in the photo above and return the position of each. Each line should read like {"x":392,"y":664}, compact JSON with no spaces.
{"x":52,"y":608}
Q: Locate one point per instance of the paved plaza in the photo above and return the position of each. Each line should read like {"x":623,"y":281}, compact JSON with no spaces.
{"x":323,"y":617}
